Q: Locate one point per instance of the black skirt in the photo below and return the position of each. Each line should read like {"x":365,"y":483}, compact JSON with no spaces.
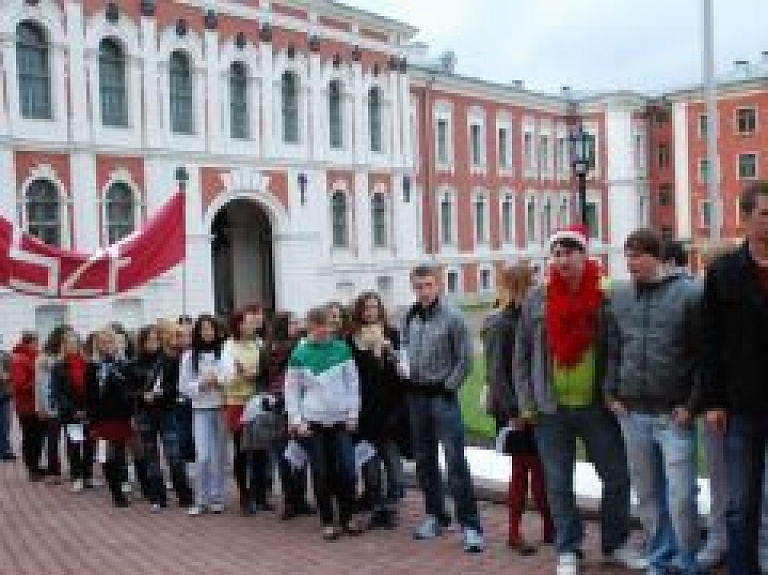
{"x":520,"y":442}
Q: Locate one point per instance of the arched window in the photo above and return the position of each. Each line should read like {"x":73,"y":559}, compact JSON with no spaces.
{"x":238,"y":101}
{"x":508,"y":219}
{"x":481,"y":230}
{"x":181,"y":94}
{"x":335,"y":116}
{"x":119,"y":212}
{"x":446,"y":219}
{"x":290,"y":99}
{"x":34,"y":71}
{"x":374,"y":118}
{"x":43,"y":207}
{"x":530,"y":221}
{"x":339,"y":220}
{"x":379,"y":220}
{"x":112,"y":90}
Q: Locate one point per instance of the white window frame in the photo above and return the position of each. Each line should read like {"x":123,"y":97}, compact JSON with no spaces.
{"x":481,"y":237}
{"x":546,"y":164}
{"x":46,"y":172}
{"x":504,"y":196}
{"x":120,"y":176}
{"x":476,"y":117}
{"x":349,"y":220}
{"x":702,"y":211}
{"x":490,"y":287}
{"x":450,"y":195}
{"x":562,"y":154}
{"x":532,"y":236}
{"x":504,"y":122}
{"x":387,"y":220}
{"x":736,"y":120}
{"x":530,"y":160}
{"x":459,"y":288}
{"x":757,"y":166}
{"x":702,"y":118}
{"x":444,"y":111}
{"x":594,"y":198}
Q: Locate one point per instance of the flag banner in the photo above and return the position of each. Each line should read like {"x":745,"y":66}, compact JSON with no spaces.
{"x":32,"y":267}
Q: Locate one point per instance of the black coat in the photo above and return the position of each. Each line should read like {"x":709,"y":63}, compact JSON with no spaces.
{"x":734,"y":355}
{"x":148,"y":370}
{"x":113,"y":398}
{"x":383,"y":407}
{"x":498,"y":334}
{"x":67,"y":401}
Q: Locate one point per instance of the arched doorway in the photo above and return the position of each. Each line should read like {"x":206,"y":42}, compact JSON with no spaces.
{"x":242,"y":253}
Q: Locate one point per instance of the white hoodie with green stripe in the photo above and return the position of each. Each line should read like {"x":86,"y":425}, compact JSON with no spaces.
{"x":321,"y":383}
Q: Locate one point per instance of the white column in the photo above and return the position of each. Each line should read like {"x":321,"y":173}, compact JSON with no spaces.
{"x":267,"y":137}
{"x":405,"y":120}
{"x":214,"y":88}
{"x":682,"y":171}
{"x":85,"y":201}
{"x":77,"y":73}
{"x":316,"y":104}
{"x":151,"y":128}
{"x":358,"y":102}
{"x":622,"y":185}
{"x":362,"y":199}
{"x":393,"y":119}
{"x":8,"y":206}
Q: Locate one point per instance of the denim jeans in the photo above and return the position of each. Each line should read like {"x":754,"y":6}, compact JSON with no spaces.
{"x":210,"y":456}
{"x":5,"y":425}
{"x":556,"y":436}
{"x":714,"y":450}
{"x":665,"y":486}
{"x":252,"y":468}
{"x":745,"y":445}
{"x":438,"y":420}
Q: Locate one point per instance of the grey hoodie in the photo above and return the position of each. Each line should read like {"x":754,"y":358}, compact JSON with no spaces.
{"x":650,"y":344}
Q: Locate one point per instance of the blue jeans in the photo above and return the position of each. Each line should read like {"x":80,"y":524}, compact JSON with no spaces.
{"x":5,"y":425}
{"x":438,"y":420}
{"x":745,"y":445}
{"x":662,"y":463}
{"x":556,"y":436}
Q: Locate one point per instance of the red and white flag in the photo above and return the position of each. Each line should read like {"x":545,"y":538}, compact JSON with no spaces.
{"x":30,"y":266}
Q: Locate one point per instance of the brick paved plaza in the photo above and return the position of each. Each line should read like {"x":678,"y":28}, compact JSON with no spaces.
{"x":48,"y":529}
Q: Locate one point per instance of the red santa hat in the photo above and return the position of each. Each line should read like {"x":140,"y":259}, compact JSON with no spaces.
{"x":573,"y":234}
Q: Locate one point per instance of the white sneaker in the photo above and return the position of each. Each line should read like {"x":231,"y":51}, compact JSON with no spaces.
{"x":155,"y":508}
{"x":568,"y":564}
{"x":196,"y":510}
{"x":627,"y":557}
{"x":78,"y":485}
{"x":217,"y":508}
{"x":126,"y":488}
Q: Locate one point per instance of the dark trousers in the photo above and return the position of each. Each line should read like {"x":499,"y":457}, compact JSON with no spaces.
{"x":437,"y":419}
{"x":80,"y":457}
{"x":293,"y":482}
{"x":382,"y":478}
{"x":330,"y":474}
{"x":113,"y":469}
{"x":155,"y":427}
{"x":252,"y":472}
{"x":5,"y":425}
{"x":32,"y":436}
{"x":746,"y":440}
{"x":52,"y":441}
{"x":523,"y":468}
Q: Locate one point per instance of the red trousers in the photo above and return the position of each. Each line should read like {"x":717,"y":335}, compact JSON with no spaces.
{"x":524,"y":466}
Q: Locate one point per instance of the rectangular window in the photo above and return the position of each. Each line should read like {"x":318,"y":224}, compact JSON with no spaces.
{"x":475,"y":144}
{"x":544,"y":155}
{"x":485,"y":280}
{"x":528,"y":151}
{"x":562,"y":155}
{"x":747,"y":166}
{"x":661,"y":117}
{"x":706,"y":214}
{"x":746,"y":120}
{"x":480,"y":230}
{"x":703,"y":125}
{"x":663,"y":155}
{"x":452,"y":281}
{"x":593,"y":220}
{"x":442,"y":142}
{"x":703,"y":170}
{"x":507,"y":220}
{"x":503,"y":148}
{"x":446,"y":220}
{"x":665,"y":195}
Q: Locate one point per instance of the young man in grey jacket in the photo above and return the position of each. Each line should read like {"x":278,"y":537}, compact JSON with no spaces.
{"x":651,"y":384}
{"x":439,"y":353}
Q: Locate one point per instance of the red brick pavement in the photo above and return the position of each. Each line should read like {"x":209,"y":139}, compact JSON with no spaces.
{"x":47,"y":529}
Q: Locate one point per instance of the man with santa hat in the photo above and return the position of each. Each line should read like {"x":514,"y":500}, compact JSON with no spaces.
{"x":558,"y":360}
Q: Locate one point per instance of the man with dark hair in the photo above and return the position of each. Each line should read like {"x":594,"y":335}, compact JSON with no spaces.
{"x":558,"y":364}
{"x":674,"y":254}
{"x":735,"y":363}
{"x":439,"y":354}
{"x":650,"y":383}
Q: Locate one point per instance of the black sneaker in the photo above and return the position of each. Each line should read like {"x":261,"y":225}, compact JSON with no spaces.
{"x":122,"y":502}
{"x":8,"y":457}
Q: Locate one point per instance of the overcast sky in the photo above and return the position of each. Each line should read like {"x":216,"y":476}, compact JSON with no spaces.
{"x":587,"y":44}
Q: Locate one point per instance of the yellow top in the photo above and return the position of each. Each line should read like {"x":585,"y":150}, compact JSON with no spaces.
{"x":246,"y":355}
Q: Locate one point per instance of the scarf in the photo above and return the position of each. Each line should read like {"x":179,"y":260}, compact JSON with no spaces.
{"x":76,"y":365}
{"x":571,"y":318}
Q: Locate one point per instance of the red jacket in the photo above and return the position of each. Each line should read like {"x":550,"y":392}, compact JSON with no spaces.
{"x":23,"y":378}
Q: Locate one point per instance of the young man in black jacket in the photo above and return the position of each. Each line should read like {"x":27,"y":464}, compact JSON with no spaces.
{"x":735,"y":365}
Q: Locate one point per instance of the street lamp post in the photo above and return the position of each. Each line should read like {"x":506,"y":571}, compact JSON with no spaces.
{"x":182,"y":177}
{"x":583,"y":159}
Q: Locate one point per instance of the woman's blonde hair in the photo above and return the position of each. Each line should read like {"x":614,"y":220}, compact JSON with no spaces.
{"x":514,"y":282}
